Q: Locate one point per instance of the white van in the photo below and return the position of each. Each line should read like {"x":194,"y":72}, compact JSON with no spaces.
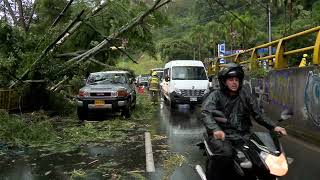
{"x":184,"y":82}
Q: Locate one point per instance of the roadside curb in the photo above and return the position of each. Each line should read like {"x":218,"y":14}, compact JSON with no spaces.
{"x":149,"y":154}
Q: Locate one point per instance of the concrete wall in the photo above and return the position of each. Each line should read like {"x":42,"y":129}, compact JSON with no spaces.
{"x":294,"y":88}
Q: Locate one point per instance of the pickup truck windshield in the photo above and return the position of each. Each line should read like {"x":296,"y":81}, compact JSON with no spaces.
{"x":107,"y":78}
{"x":188,"y":73}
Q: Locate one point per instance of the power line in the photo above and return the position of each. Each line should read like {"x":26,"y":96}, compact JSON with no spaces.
{"x":207,"y":19}
{"x":245,"y":24}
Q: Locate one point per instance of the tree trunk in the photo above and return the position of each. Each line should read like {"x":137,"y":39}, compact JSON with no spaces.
{"x":31,"y":14}
{"x":6,"y":2}
{"x":21,"y":15}
{"x":61,"y":14}
{"x":290,"y":13}
{"x":71,"y":28}
{"x":123,"y":29}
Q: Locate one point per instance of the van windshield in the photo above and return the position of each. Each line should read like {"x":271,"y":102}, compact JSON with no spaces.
{"x":188,"y":73}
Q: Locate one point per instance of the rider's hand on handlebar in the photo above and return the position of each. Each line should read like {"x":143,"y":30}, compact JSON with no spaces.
{"x":219,"y":135}
{"x":280,"y":130}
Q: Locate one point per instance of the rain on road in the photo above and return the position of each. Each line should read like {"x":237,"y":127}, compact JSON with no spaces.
{"x":184,"y":130}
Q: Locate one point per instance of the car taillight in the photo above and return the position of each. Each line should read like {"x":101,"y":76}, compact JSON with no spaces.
{"x":122,"y":93}
{"x":83,"y":93}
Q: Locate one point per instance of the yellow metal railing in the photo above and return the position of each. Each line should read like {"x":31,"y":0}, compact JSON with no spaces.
{"x":8,"y":99}
{"x":280,"y":56}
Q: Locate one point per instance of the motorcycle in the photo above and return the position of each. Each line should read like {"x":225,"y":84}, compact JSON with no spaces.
{"x":260,"y":157}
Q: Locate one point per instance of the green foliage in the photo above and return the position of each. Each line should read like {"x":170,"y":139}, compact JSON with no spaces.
{"x":60,"y":105}
{"x":207,"y":23}
{"x":17,"y":131}
{"x":171,"y":163}
{"x":39,"y":130}
{"x":78,"y":174}
{"x":76,"y":83}
{"x":20,"y":49}
{"x":47,"y":11}
{"x":171,"y":49}
{"x":258,"y":73}
{"x":145,"y":61}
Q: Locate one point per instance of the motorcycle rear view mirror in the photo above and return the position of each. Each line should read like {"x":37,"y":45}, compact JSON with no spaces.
{"x":286,"y":114}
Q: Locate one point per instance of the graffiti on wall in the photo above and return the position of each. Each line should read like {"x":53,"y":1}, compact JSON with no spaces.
{"x":312,"y":97}
{"x":281,"y":89}
{"x":279,"y":86}
{"x":257,"y":89}
{"x":273,"y":90}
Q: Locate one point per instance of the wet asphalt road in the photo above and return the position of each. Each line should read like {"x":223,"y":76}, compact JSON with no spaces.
{"x":184,"y":130}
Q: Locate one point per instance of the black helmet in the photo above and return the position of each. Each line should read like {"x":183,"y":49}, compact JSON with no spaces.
{"x":230,"y":70}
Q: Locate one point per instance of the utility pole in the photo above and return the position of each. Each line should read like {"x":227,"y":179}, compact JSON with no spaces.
{"x":269,"y":27}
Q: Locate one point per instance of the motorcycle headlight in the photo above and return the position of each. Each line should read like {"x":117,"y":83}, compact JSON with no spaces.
{"x":277,"y":165}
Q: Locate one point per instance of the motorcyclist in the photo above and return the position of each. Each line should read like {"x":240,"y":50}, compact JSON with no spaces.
{"x":154,"y":86}
{"x":236,"y":105}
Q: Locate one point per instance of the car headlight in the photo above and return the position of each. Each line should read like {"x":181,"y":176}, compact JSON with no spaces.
{"x":178,"y":91}
{"x":122,"y":93}
{"x":207,"y":91}
{"x":277,"y":165}
{"x":83,"y":93}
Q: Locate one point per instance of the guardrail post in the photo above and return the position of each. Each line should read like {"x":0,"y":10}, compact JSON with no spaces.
{"x":253,"y":60}
{"x":9,"y":100}
{"x":236,"y":59}
{"x":281,"y":61}
{"x":316,"y":51}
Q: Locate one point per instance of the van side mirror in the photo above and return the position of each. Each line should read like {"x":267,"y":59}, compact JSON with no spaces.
{"x":167,"y":78}
{"x":286,"y":114}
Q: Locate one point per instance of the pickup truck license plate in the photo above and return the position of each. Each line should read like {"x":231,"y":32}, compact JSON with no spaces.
{"x":99,"y":102}
{"x":193,"y":99}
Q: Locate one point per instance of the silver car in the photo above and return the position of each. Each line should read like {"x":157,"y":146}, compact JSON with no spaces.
{"x":109,"y":90}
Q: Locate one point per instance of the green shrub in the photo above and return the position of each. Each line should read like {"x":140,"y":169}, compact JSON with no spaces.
{"x":16,"y":131}
{"x":258,"y":73}
{"x":60,"y":105}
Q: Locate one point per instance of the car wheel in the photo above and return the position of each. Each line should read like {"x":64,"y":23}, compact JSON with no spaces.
{"x":82,"y":114}
{"x":126,"y":112}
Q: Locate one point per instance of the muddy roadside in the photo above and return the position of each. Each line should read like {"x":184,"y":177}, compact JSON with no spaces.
{"x":35,"y":146}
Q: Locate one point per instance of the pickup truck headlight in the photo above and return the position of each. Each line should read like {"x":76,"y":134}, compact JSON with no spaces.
{"x":83,"y":93}
{"x":122,"y":93}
